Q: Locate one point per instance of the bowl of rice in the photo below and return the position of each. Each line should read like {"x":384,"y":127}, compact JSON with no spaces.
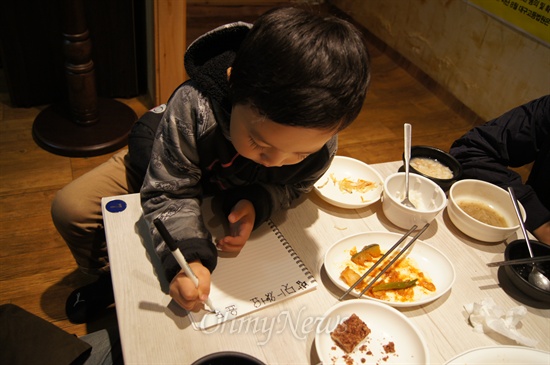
{"x":436,"y":165}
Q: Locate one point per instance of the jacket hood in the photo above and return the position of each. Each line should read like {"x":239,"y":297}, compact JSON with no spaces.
{"x":209,"y":56}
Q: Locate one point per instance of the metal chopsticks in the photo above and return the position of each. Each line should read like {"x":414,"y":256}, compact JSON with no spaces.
{"x":527,"y":260}
{"x":378,"y":262}
{"x":382,"y":259}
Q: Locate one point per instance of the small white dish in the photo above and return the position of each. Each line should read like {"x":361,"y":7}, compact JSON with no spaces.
{"x":387,"y":324}
{"x":501,"y":355}
{"x":348,"y":168}
{"x":432,"y":262}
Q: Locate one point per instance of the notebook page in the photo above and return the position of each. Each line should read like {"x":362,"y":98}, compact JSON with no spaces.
{"x":265,"y":272}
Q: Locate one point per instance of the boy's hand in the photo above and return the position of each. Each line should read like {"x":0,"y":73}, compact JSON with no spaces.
{"x":184,"y":292}
{"x":241,"y":222}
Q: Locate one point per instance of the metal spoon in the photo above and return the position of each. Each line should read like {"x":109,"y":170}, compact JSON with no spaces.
{"x":536,"y":278}
{"x":407,"y":132}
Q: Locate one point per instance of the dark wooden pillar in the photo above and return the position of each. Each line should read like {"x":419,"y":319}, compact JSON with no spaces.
{"x":79,"y":66}
{"x":85,"y":125}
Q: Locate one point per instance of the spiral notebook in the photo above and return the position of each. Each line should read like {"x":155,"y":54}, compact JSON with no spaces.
{"x":265,"y":272}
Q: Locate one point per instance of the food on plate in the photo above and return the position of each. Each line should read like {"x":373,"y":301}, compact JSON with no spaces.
{"x":323,"y":184}
{"x":349,"y":186}
{"x":483,"y":213}
{"x":431,"y":167}
{"x":350,"y":277}
{"x":348,"y":334}
{"x":402,"y":282}
{"x":395,"y":285}
{"x":389,"y":347}
{"x":366,"y":254}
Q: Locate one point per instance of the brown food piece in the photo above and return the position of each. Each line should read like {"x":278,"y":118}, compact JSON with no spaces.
{"x":350,"y":333}
{"x":389,"y":348}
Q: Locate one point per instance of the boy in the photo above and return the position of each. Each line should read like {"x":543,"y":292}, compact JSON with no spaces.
{"x":256,"y":124}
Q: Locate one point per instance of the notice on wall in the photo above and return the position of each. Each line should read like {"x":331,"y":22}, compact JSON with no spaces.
{"x":529,"y":16}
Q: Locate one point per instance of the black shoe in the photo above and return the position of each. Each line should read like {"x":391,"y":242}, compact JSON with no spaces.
{"x":85,"y":303}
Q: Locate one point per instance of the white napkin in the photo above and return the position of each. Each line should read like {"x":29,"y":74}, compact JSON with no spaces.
{"x":487,"y":316}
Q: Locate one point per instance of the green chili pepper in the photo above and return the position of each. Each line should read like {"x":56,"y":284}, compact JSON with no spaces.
{"x":394,"y":285}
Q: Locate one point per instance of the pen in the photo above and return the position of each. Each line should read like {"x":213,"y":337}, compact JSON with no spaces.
{"x":179,"y":256}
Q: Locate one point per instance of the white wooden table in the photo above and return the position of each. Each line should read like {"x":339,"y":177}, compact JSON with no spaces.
{"x":154,"y":330}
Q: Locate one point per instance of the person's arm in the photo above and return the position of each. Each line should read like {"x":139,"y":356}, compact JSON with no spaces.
{"x":171,"y":190}
{"x":512,"y":140}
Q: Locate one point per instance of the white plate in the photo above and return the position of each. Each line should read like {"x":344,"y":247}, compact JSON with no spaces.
{"x":501,"y":355}
{"x":432,"y":262}
{"x":386,"y":324}
{"x":346,"y":167}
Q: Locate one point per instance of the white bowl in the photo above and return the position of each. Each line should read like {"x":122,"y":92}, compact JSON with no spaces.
{"x":346,"y":167}
{"x":493,"y":196}
{"x":425,"y":194}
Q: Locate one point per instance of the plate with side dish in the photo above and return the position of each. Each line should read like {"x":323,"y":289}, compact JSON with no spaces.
{"x":420,"y":276}
{"x":391,"y":338}
{"x":350,"y":183}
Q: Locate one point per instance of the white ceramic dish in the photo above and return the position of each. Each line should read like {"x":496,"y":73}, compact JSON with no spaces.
{"x":387,"y":324}
{"x":493,"y":196}
{"x":345,"y":167}
{"x":428,"y":259}
{"x":426,"y":195}
{"x":501,"y":355}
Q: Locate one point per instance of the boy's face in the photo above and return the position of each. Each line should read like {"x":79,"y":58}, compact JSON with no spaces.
{"x":271,"y":144}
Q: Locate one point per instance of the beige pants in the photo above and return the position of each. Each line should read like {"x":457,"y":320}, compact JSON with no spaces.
{"x":76,"y":210}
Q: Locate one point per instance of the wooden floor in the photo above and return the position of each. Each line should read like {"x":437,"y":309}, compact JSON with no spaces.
{"x":37,"y":271}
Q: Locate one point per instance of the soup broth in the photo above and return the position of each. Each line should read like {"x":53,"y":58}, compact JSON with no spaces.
{"x":483,"y":213}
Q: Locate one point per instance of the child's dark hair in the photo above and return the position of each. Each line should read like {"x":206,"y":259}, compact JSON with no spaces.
{"x":301,"y":69}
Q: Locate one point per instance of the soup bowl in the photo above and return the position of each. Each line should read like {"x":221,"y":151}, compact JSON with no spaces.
{"x":490,"y":203}
{"x":432,"y":162}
